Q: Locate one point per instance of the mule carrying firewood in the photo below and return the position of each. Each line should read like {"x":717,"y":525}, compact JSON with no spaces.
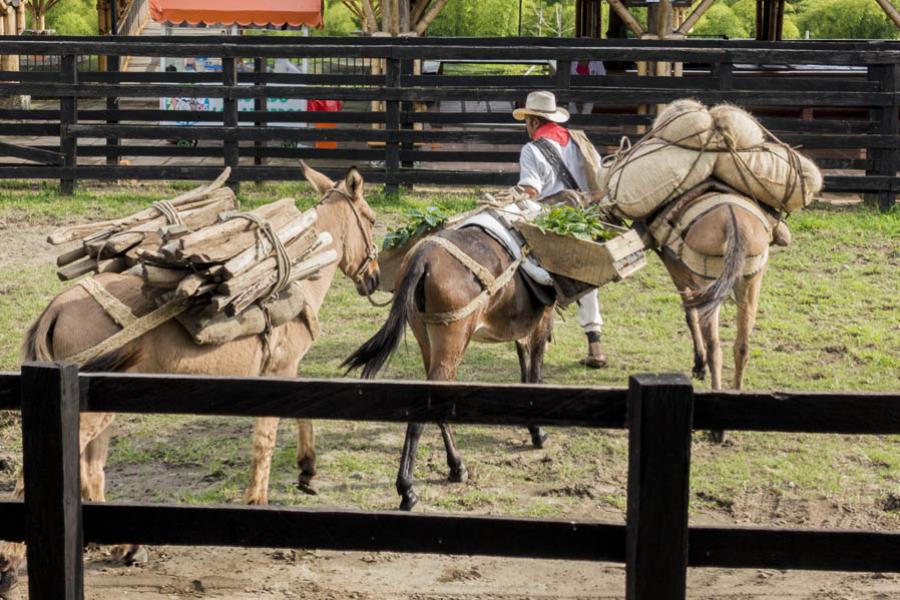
{"x":75,"y":321}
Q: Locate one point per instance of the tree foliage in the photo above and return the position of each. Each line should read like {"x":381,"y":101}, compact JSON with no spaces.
{"x":845,"y":19}
{"x":721,"y":20}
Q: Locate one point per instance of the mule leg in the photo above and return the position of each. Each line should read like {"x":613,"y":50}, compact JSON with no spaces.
{"x":523,"y":350}
{"x":714,"y":360}
{"x":747,"y":294}
{"x":408,"y":496}
{"x":538,"y":347}
{"x":93,"y":461}
{"x":458,"y":471}
{"x":306,"y":456}
{"x":442,"y":348}
{"x":265,"y":430}
{"x":693,"y":323}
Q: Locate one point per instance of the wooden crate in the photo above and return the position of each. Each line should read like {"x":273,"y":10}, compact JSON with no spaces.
{"x":589,"y":262}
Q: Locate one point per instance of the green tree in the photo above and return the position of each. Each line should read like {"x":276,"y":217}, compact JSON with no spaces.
{"x":339,"y":21}
{"x":73,"y":17}
{"x":477,"y":18}
{"x":721,"y":20}
{"x":826,"y":19}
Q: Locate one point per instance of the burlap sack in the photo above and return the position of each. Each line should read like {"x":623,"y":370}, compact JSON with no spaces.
{"x":653,"y":173}
{"x":684,"y":122}
{"x":735,"y":128}
{"x":773,"y":174}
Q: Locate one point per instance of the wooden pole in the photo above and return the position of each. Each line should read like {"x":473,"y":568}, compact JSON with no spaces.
{"x":627,"y":17}
{"x":695,"y":16}
{"x":50,"y":418}
{"x":660,"y":417}
{"x":890,"y":10}
{"x":68,"y":115}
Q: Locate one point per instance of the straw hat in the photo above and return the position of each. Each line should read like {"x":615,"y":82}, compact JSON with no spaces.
{"x":542,"y":104}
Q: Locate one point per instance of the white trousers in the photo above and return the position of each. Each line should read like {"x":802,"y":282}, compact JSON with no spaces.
{"x":589,"y":312}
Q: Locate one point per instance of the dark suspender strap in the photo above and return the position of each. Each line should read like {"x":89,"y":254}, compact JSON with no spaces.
{"x":556,"y":162}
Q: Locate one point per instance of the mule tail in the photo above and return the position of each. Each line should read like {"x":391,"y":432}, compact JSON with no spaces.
{"x":38,"y":347}
{"x":375,"y":352}
{"x":709,"y":298}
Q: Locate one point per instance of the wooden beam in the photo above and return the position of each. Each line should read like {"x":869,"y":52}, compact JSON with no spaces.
{"x":890,"y":10}
{"x":695,"y":16}
{"x":418,"y":10}
{"x":626,"y":16}
{"x":369,"y":11}
{"x":430,"y":15}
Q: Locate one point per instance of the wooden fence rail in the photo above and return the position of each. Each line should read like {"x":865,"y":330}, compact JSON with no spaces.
{"x":656,"y":543}
{"x":840,"y":101}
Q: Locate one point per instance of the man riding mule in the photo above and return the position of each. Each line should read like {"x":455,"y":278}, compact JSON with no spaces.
{"x":75,"y":321}
{"x":555,"y":160}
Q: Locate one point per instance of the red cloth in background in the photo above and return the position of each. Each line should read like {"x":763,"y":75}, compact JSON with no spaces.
{"x":326,"y":105}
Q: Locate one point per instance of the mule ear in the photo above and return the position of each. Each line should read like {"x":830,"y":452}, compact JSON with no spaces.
{"x":353,"y":181}
{"x":320,"y":181}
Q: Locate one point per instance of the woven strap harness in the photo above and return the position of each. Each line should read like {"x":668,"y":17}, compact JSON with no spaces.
{"x":491,"y":284}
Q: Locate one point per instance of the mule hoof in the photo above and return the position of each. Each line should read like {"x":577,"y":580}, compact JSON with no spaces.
{"x":410,"y":499}
{"x":306,"y":486}
{"x":459,"y":475}
{"x":717,"y":436}
{"x":699,"y":374}
{"x":8,"y":582}
{"x":130,"y":554}
{"x":538,"y":441}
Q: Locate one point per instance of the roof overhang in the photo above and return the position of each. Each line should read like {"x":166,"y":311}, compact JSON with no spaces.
{"x":277,"y":13}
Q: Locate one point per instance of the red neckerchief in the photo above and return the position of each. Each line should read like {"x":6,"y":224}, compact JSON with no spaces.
{"x":552,"y":131}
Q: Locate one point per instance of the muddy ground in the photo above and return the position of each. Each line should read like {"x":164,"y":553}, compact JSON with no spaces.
{"x":173,"y":572}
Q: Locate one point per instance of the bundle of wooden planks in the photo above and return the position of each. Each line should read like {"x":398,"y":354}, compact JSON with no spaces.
{"x":115,"y":245}
{"x":237,"y":272}
{"x":245,"y":258}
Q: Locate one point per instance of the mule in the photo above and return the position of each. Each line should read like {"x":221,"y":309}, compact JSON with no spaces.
{"x":73,"y":322}
{"x":432,"y":281}
{"x":733,"y":235}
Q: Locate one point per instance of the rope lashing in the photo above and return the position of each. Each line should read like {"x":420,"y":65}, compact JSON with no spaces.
{"x":282,"y":258}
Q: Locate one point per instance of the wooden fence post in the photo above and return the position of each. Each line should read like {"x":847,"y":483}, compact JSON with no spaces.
{"x":392,"y":128}
{"x":660,"y":415}
{"x":890,"y":125}
{"x":54,"y":535}
{"x":230,"y":119}
{"x":260,"y":104}
{"x":68,"y":115}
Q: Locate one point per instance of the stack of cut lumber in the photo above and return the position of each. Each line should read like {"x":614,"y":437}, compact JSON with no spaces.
{"x":115,"y":245}
{"x":235,"y":263}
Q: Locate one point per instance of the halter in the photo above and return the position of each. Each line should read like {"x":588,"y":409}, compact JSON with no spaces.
{"x":371,"y":248}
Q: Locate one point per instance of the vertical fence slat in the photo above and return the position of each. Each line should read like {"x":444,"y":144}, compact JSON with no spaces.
{"x":68,"y":115}
{"x":392,"y":127}
{"x":660,"y":415}
{"x":890,"y":125}
{"x":54,"y":536}
{"x":230,"y":118}
{"x":260,"y":104}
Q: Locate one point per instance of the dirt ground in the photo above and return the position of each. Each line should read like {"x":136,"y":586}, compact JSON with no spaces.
{"x":173,"y":572}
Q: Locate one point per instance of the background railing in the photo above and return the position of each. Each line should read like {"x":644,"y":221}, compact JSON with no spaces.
{"x":656,"y":542}
{"x":837,"y":100}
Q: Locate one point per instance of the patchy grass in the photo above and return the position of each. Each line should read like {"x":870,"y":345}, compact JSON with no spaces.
{"x":828,"y":321}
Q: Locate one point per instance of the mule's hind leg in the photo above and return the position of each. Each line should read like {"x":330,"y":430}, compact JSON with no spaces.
{"x":693,"y":323}
{"x":265,"y":430}
{"x":714,"y":360}
{"x":12,"y":553}
{"x":306,"y":456}
{"x":747,"y":294}
{"x":93,"y":463}
{"x":458,"y":471}
{"x":442,"y":348}
{"x":523,"y":351}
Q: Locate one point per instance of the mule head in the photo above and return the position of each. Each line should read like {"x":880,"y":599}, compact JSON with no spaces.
{"x":358,"y":259}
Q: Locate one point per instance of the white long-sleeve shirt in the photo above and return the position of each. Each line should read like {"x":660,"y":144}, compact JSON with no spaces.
{"x":536,"y":172}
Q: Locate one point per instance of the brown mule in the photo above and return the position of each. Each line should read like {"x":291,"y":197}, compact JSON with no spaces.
{"x":732,"y":234}
{"x":433,"y":281}
{"x":73,"y":322}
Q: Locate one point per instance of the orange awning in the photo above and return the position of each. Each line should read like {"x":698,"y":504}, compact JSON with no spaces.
{"x":238,"y":12}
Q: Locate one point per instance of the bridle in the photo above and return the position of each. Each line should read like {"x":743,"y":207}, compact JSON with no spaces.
{"x":358,"y":275}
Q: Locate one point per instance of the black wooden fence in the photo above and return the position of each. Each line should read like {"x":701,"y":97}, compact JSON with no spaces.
{"x":656,"y":543}
{"x":838,"y":100}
